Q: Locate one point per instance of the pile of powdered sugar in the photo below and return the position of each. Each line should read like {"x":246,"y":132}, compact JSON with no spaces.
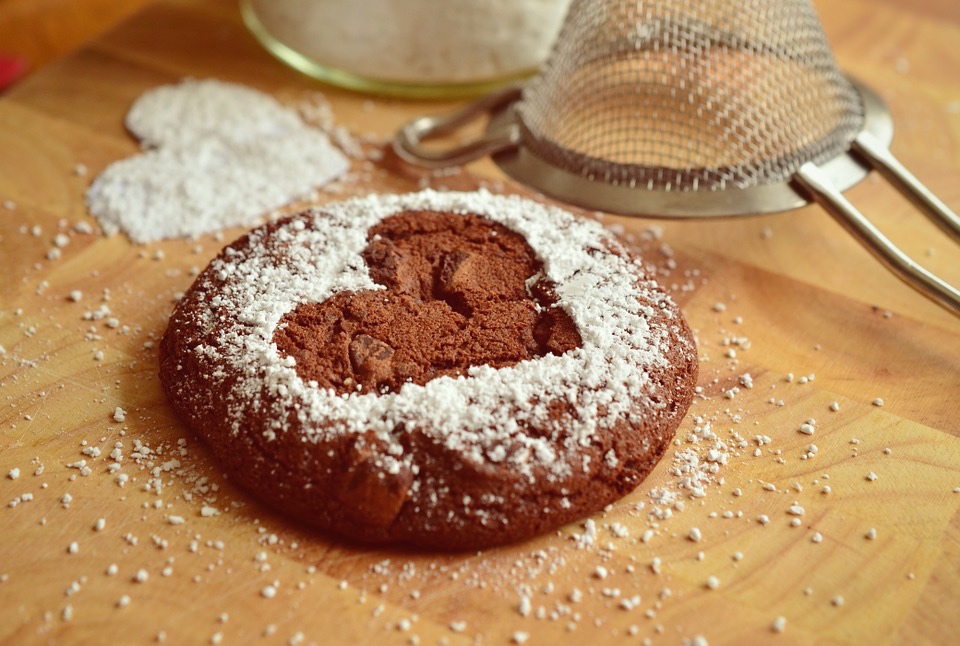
{"x":476,"y":415}
{"x":216,"y":155}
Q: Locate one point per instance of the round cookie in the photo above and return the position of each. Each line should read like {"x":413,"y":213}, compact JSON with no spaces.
{"x":447,"y":370}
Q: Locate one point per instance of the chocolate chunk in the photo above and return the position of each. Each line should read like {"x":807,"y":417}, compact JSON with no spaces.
{"x":371,"y":360}
{"x":390,"y":267}
{"x":557,"y":332}
{"x":477,"y":277}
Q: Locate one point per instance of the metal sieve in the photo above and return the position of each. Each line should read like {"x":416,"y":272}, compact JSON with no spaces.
{"x":694,"y":109}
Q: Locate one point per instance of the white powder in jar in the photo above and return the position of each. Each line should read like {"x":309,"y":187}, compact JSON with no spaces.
{"x":416,"y":41}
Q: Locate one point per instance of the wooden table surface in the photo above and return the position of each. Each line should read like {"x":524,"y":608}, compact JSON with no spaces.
{"x":787,"y":298}
{"x":41,"y":31}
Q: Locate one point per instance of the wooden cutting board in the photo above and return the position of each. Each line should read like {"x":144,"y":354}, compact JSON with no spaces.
{"x":788,"y":299}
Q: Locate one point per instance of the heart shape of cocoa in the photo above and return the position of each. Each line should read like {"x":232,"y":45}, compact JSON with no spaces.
{"x":460,"y":291}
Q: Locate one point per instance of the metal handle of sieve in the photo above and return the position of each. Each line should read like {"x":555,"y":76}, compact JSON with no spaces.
{"x":408,"y":144}
{"x":816,"y":183}
{"x":878,"y":157}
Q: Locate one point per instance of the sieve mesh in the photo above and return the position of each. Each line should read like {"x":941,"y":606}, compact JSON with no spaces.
{"x":687,"y":95}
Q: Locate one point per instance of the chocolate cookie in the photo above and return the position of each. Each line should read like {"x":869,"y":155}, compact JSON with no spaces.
{"x":448,"y":370}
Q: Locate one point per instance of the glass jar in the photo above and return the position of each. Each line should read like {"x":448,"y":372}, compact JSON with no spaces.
{"x":411,"y":48}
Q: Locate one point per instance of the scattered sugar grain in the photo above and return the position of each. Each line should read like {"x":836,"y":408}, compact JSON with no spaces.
{"x":524,"y":607}
{"x":655,"y":565}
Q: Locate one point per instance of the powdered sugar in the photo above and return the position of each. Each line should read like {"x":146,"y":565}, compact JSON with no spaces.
{"x":217,"y":155}
{"x":316,"y":255}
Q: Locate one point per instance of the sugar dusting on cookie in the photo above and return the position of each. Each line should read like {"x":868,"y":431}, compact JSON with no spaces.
{"x":479,"y":457}
{"x":476,"y":415}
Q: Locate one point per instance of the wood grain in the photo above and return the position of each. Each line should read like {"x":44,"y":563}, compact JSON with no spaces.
{"x":41,"y":31}
{"x":787,"y":298}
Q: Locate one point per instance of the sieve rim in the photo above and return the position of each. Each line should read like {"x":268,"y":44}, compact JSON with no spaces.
{"x":601,"y":193}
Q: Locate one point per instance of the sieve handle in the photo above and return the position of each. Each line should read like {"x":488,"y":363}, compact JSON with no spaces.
{"x":878,"y":157}
{"x":408,"y":143}
{"x":818,"y":185}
